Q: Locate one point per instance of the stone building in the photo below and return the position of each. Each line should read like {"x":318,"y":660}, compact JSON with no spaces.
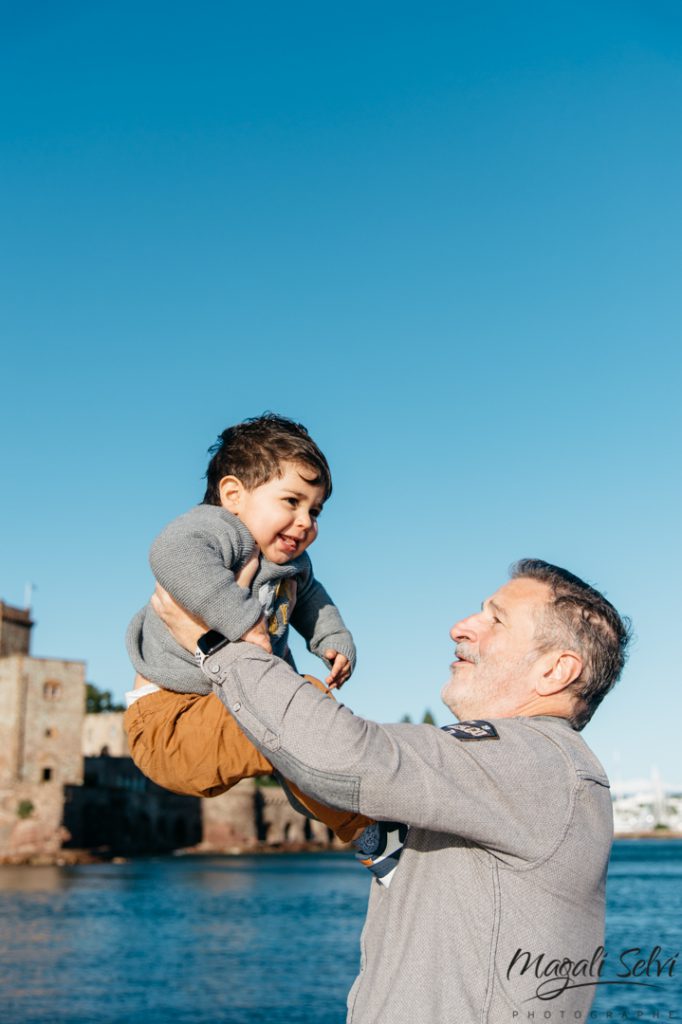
{"x":247,"y":817}
{"x":15,"y":630}
{"x":41,"y":721}
{"x":67,"y":779}
{"x":250,"y":816}
{"x":104,"y":735}
{"x":119,"y":811}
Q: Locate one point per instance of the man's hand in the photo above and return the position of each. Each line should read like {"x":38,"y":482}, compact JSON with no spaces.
{"x":247,"y":573}
{"x":340,"y":670}
{"x":258,"y":634}
{"x":184,"y":627}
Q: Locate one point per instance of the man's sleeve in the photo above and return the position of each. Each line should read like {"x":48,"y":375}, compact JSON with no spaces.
{"x":492,"y":791}
{"x":319,"y":621}
{"x":196,"y":567}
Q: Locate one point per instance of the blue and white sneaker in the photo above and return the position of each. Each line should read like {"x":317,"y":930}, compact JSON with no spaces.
{"x":379,"y":848}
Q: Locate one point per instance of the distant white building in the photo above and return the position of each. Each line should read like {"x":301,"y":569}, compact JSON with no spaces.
{"x":641,"y":805}
{"x":103,"y":733}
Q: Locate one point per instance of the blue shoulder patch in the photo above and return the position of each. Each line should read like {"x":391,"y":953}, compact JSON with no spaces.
{"x":476,"y":730}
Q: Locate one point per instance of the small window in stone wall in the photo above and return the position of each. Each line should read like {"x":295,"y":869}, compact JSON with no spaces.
{"x":52,"y":690}
{"x":50,"y":733}
{"x":47,"y":775}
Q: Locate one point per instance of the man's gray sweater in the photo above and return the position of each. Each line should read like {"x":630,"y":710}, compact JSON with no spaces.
{"x":500,"y":888}
{"x":196,"y":558}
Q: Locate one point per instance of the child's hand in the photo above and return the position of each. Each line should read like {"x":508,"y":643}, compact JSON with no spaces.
{"x":340,"y":670}
{"x":258,"y":634}
{"x":247,"y":573}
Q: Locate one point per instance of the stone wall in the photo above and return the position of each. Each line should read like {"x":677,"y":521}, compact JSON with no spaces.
{"x":118,"y":810}
{"x":250,"y":816}
{"x":15,"y":630}
{"x":41,"y":717}
{"x":31,"y":820}
{"x":103,"y":733}
{"x":41,"y":720}
{"x":229,"y":821}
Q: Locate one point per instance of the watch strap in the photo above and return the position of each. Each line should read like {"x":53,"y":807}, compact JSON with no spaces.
{"x":207,"y":644}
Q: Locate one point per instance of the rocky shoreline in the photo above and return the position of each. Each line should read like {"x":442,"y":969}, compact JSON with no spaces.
{"x":659,"y":833}
{"x":68,"y":858}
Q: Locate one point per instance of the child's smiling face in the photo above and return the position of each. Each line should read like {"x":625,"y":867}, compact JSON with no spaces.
{"x":281,"y":514}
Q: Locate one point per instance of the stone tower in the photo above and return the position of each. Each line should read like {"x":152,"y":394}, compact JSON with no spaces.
{"x":15,"y":630}
{"x":42,"y":705}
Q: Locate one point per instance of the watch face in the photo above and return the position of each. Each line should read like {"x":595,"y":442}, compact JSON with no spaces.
{"x":211,"y":641}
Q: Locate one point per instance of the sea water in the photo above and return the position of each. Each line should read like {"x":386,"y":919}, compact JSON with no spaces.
{"x":272,"y":938}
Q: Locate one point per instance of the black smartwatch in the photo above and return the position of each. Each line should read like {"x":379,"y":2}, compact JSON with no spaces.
{"x":208,"y":644}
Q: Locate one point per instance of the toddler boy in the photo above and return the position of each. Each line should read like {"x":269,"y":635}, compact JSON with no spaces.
{"x":266,"y":485}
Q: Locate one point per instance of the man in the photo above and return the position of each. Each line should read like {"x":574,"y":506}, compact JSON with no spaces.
{"x":498,"y":900}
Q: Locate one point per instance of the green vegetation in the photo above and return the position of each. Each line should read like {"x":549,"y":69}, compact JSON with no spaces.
{"x":428,"y":719}
{"x":266,"y":780}
{"x":97,"y":700}
{"x":25,"y":809}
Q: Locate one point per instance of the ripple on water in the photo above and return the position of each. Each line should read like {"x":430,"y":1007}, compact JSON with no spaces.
{"x":250,"y":939}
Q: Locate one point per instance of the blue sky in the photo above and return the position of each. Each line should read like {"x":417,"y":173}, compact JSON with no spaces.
{"x":444,"y":237}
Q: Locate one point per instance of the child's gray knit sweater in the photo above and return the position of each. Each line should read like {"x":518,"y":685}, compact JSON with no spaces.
{"x":195,"y":559}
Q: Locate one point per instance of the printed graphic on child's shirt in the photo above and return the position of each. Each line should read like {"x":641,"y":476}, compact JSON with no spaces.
{"x":278,"y":600}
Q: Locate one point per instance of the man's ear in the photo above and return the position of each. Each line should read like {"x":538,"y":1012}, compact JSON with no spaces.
{"x":563,"y":669}
{"x":231,"y":491}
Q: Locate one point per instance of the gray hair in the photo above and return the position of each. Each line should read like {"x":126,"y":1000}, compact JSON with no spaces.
{"x":580,"y":618}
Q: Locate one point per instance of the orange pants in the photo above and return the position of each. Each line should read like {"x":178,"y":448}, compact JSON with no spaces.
{"x":191,"y":744}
